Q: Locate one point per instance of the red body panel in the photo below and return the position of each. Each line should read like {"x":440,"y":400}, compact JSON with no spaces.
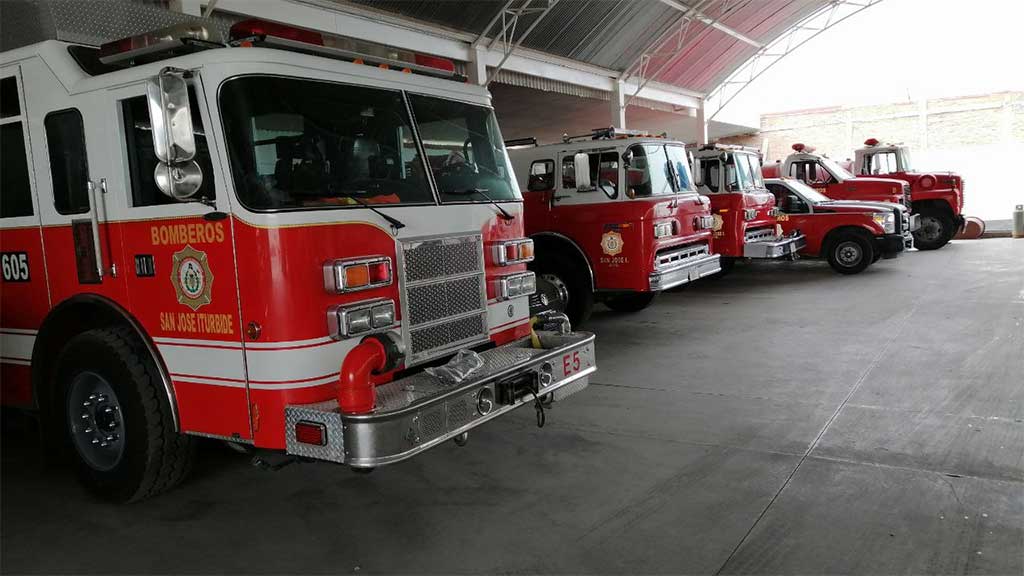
{"x":730,"y":223}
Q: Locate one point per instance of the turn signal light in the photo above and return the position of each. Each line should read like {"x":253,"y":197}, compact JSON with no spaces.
{"x":513,"y":252}
{"x":313,"y":433}
{"x":341,"y":276}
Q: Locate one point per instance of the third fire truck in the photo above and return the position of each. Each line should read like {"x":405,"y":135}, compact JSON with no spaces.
{"x":938,"y":197}
{"x":615,"y":215}
{"x":744,"y":211}
{"x":263,"y":239}
{"x":835,"y":181}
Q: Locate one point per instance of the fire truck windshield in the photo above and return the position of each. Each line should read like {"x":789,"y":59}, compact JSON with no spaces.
{"x":657,"y":169}
{"x":905,"y":164}
{"x":838,"y":172}
{"x":810,"y":194}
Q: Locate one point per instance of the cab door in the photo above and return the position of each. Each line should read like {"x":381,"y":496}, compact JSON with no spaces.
{"x":24,"y":292}
{"x":179,"y":266}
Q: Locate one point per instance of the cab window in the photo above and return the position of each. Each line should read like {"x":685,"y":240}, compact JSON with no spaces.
{"x":648,"y":172}
{"x":568,"y":171}
{"x":542,"y":176}
{"x":15,"y":186}
{"x":788,"y":201}
{"x":69,"y":167}
{"x":604,"y":172}
{"x":883,"y":163}
{"x":142,"y":158}
{"x":711,"y":172}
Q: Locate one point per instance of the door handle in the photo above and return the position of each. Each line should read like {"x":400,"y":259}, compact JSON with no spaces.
{"x":94,"y":220}
{"x":106,"y":223}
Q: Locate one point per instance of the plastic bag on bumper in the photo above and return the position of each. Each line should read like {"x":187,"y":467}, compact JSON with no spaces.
{"x":460,"y":367}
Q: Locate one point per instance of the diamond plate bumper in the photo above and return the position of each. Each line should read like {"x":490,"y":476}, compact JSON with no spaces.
{"x":775,"y":249}
{"x":688,"y":271}
{"x":419,"y":412}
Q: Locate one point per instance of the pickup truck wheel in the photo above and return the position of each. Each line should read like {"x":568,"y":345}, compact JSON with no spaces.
{"x":117,"y":420}
{"x":850,"y":254}
{"x":633,"y":302}
{"x":937,"y":229}
{"x":569,"y":278}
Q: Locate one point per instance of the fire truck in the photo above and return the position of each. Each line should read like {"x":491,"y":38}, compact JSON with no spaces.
{"x":615,"y":217}
{"x":744,"y":211}
{"x":938,"y":197}
{"x":835,"y":181}
{"x":851,"y":235}
{"x":278,"y":239}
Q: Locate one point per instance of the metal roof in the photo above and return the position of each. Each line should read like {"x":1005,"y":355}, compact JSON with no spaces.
{"x":690,"y":44}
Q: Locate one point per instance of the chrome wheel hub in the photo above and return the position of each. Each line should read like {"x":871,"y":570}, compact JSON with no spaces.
{"x":849,"y":254}
{"x":95,"y":421}
{"x":555,"y":291}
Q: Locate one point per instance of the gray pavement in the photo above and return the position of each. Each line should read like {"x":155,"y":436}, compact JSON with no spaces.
{"x":783,"y":419}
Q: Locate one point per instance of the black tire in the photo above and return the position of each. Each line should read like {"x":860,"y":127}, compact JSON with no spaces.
{"x":571,"y":274}
{"x":151,"y":457}
{"x":937,"y":229}
{"x":850,"y":253}
{"x":632,"y":302}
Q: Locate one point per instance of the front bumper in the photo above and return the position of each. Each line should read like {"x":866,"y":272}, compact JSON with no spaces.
{"x":890,"y":245}
{"x":915,"y":222}
{"x":420,"y":411}
{"x":684,"y":272}
{"x":775,"y":249}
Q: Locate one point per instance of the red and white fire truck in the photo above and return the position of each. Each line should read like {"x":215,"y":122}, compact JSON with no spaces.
{"x":938,"y":197}
{"x":851,"y":235}
{"x":744,"y":211}
{"x":265,"y":240}
{"x":835,"y":181}
{"x":614,"y":215}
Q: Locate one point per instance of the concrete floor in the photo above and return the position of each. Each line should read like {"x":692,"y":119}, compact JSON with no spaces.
{"x":784,"y":419}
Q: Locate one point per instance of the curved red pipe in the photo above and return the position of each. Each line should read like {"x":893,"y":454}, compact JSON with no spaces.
{"x":356,"y":392}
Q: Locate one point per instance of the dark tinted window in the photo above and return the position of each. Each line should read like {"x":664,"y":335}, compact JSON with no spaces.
{"x":69,"y":168}
{"x":306,"y":144}
{"x":9,"y":105}
{"x":142,"y":159}
{"x":15,"y":190}
{"x":542,"y":175}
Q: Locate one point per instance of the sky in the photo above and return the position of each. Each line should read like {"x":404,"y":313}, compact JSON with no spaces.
{"x":895,"y":51}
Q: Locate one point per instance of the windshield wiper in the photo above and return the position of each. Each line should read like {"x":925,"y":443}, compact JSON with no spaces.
{"x":395,"y":222}
{"x":483,"y":192}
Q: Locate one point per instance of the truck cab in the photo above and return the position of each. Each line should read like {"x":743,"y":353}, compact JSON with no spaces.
{"x":833,"y":180}
{"x":615,"y":217}
{"x":744,"y":210}
{"x":938,"y":197}
{"x":277,"y":239}
{"x":850,"y":234}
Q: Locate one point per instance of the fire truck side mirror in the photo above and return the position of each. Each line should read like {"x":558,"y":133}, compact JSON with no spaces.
{"x":698,"y":174}
{"x":582,"y":165}
{"x":177,"y":174}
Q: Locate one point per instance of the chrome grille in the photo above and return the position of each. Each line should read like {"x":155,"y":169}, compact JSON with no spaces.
{"x":676,"y":256}
{"x":445,"y":295}
{"x":759,"y":235}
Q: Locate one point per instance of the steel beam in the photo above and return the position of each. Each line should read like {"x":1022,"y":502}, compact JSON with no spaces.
{"x":691,"y":12}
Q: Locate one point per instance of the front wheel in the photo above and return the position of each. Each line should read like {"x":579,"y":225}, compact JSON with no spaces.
{"x":632,"y":302}
{"x":850,"y":254}
{"x":117,"y":419}
{"x":937,"y":229}
{"x":571,"y":287}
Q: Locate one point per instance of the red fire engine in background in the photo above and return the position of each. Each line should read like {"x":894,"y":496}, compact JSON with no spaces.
{"x":615,"y":216}
{"x":937,"y":196}
{"x":744,"y":211}
{"x":198,"y":234}
{"x":834,"y":181}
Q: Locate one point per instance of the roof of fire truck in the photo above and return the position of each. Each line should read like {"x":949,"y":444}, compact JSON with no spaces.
{"x":598,"y":138}
{"x":77,"y":80}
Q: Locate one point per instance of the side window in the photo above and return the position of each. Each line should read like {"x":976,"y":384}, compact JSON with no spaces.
{"x":69,"y":168}
{"x":15,"y":186}
{"x":604,"y":171}
{"x":568,"y":171}
{"x":142,"y":157}
{"x":542,"y":176}
{"x":712,"y":173}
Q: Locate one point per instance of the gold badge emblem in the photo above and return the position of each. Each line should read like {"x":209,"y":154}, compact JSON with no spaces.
{"x":718,"y":222}
{"x":192,"y":278}
{"x":611,"y":243}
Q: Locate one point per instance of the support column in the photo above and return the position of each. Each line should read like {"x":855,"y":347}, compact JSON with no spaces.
{"x":617,"y":105}
{"x":702,"y":125}
{"x":476,"y":68}
{"x":191,"y":7}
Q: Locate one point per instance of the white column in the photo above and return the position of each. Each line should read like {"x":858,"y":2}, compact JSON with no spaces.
{"x":193,"y":7}
{"x":476,"y":68}
{"x":617,"y":105}
{"x":702,"y":126}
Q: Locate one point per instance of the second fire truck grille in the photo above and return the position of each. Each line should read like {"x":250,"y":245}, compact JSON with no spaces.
{"x":759,"y":235}
{"x":445,"y":300}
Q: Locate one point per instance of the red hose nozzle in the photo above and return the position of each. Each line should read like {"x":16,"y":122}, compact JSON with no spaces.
{"x":356,"y":392}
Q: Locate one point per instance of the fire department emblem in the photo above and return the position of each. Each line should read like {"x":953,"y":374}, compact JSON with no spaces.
{"x":718,"y":222}
{"x":192,"y":277}
{"x":611,"y":242}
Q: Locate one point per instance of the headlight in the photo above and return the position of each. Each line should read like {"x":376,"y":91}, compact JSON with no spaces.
{"x":703,"y":222}
{"x":664,"y":229}
{"x":887,"y":221}
{"x":361,"y":318}
{"x":514,"y":285}
{"x":749,"y":214}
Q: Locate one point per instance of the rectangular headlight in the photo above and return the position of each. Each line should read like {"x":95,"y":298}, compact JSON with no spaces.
{"x":664,"y":229}
{"x":749,"y":214}
{"x":514,"y":285}
{"x":360,"y":318}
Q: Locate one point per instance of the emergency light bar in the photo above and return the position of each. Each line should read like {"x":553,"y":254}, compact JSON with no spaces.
{"x":275,"y":35}
{"x":871,"y":142}
{"x":155,"y":45}
{"x":612,"y":133}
